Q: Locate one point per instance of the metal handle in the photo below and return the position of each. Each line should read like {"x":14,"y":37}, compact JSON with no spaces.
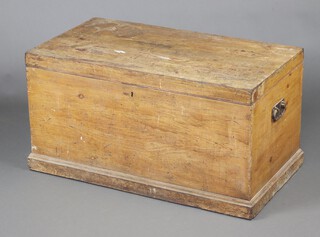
{"x":278,"y":110}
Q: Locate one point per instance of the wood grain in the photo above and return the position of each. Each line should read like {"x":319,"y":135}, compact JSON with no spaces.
{"x":274,"y":142}
{"x":173,"y":138}
{"x":141,"y":79}
{"x":168,"y":192}
{"x":222,"y":64}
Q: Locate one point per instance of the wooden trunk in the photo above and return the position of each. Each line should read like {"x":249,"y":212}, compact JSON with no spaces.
{"x":190,"y":118}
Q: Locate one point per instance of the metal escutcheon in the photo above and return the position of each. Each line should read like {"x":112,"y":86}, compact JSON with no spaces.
{"x":278,"y":110}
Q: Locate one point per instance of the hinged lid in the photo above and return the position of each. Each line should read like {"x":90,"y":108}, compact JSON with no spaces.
{"x":209,"y":66}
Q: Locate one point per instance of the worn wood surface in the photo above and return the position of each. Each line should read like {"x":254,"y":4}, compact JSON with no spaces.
{"x":168,"y":192}
{"x":176,"y":110}
{"x":168,"y":137}
{"x":207,"y":65}
{"x":274,"y":142}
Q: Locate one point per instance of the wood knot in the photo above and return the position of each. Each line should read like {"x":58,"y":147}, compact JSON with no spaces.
{"x":270,"y":159}
{"x":81,"y":96}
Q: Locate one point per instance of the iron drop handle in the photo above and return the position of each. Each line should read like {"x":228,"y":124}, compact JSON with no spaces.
{"x":278,"y":110}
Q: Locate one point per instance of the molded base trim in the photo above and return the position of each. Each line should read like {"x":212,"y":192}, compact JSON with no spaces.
{"x":169,"y":192}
